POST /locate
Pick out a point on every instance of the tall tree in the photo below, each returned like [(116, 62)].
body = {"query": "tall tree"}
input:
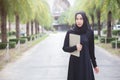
[(90, 10), (31, 27), (24, 11), (111, 8), (98, 5), (27, 29), (3, 20), (3, 25), (17, 26)]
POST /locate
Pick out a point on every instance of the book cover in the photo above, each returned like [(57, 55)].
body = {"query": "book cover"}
[(73, 40)]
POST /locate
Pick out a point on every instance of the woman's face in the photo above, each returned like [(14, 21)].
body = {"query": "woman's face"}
[(79, 20)]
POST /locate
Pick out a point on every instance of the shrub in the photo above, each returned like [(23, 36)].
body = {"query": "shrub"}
[(116, 32), (14, 40), (4, 45), (95, 36), (27, 37), (11, 33), (105, 31), (34, 37), (108, 40), (22, 40), (113, 43), (12, 44)]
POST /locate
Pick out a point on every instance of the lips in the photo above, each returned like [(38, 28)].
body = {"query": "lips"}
[(79, 24)]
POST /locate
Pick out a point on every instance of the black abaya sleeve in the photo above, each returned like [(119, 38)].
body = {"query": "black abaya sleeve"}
[(91, 49), (66, 46)]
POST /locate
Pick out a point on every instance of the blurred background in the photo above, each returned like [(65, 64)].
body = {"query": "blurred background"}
[(24, 23)]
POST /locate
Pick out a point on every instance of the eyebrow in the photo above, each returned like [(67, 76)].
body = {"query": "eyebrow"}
[(79, 18)]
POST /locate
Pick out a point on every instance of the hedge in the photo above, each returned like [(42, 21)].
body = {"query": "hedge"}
[(22, 40), (31, 37), (4, 45), (116, 32), (113, 43), (108, 40), (95, 36), (104, 31), (27, 37), (11, 33)]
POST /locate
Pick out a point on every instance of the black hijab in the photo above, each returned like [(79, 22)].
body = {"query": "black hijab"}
[(85, 26)]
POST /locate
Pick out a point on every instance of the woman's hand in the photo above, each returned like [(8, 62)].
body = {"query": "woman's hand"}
[(79, 47), (96, 69)]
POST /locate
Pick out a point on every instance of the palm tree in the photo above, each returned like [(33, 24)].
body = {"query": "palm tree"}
[(27, 29), (3, 15), (17, 26), (90, 10), (3, 26), (111, 8), (25, 11), (17, 11), (31, 27), (42, 15), (98, 13)]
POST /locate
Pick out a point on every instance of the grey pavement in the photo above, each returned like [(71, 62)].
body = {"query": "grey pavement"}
[(47, 61)]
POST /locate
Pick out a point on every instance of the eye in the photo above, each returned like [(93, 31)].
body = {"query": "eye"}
[(77, 18)]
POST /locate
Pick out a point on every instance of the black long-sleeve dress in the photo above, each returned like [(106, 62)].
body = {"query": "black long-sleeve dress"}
[(80, 68)]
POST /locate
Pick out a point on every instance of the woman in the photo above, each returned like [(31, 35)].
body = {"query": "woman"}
[(80, 68)]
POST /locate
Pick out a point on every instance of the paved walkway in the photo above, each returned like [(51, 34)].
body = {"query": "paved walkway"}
[(47, 61)]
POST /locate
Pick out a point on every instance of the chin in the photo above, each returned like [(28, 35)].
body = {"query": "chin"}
[(79, 26)]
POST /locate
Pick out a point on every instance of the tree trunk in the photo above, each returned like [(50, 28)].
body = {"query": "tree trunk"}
[(9, 26), (3, 26), (99, 26), (17, 26), (35, 27), (109, 24), (38, 29), (27, 29), (31, 27), (92, 18)]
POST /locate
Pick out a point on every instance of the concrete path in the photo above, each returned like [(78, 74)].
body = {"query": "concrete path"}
[(47, 61)]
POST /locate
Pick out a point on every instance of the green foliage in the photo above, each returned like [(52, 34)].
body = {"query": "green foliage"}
[(22, 40), (113, 43), (11, 33), (4, 45), (14, 40), (12, 44), (28, 10), (104, 31), (113, 6), (95, 36), (27, 37), (116, 32), (92, 7), (63, 19), (108, 40)]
